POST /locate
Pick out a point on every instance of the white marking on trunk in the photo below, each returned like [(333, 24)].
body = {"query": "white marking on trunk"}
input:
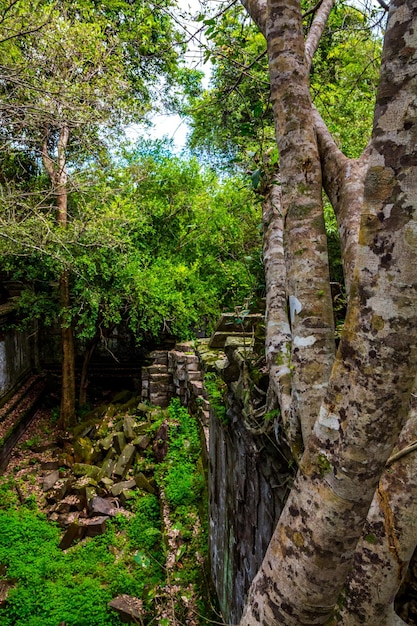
[(328, 420), (300, 342), (295, 307)]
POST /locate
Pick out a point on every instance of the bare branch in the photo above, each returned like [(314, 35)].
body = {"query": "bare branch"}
[(317, 28), (257, 9)]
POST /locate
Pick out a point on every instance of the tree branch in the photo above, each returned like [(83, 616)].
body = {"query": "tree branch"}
[(383, 4), (316, 29), (343, 181), (257, 10)]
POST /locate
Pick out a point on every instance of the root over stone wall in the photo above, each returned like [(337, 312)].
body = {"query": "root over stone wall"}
[(248, 474)]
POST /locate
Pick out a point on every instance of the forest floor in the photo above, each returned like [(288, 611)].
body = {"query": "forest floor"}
[(161, 540)]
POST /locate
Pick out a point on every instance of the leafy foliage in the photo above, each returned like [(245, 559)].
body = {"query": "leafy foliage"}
[(153, 241)]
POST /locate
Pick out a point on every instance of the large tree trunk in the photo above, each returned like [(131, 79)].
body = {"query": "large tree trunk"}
[(388, 540), (366, 404)]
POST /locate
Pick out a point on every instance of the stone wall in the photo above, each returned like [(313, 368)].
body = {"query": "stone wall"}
[(18, 353), (248, 473)]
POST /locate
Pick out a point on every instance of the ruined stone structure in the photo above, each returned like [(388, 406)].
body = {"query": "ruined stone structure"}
[(248, 474), (18, 353), (223, 383)]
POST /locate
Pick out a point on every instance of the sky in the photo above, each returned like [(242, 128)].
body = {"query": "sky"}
[(172, 126)]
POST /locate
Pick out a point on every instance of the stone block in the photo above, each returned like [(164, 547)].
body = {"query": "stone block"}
[(129, 424), (219, 339), (228, 324), (59, 489), (143, 483), (80, 485), (117, 488), (124, 461), (119, 442), (155, 370), (84, 469), (95, 526), (195, 375), (90, 493), (106, 482), (160, 379), (74, 502), (74, 532), (106, 469), (100, 506), (50, 480), (159, 399), (142, 442), (126, 495), (107, 442), (128, 608), (159, 357)]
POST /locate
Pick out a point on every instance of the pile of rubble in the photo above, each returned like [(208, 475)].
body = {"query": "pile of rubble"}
[(94, 474)]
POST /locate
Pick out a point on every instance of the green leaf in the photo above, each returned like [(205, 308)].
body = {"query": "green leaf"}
[(256, 178)]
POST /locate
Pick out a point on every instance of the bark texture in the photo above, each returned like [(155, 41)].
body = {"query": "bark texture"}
[(278, 330), (367, 399), (308, 285), (388, 540)]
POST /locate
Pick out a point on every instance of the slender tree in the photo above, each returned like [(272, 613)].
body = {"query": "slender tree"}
[(67, 76)]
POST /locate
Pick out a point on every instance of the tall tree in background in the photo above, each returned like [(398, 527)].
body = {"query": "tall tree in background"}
[(73, 74)]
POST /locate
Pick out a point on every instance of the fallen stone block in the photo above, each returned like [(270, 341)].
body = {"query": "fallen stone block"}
[(129, 427), (119, 442), (74, 532), (90, 493), (80, 485), (129, 608), (106, 469), (117, 489), (126, 495), (50, 480), (95, 526), (100, 506), (143, 483), (72, 503), (107, 482), (142, 442), (124, 461), (107, 442), (84, 469), (59, 489)]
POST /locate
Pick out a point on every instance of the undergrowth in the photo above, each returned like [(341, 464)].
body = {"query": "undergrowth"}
[(50, 586)]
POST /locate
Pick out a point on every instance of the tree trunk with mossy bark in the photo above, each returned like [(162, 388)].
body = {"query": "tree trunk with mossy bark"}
[(351, 411)]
